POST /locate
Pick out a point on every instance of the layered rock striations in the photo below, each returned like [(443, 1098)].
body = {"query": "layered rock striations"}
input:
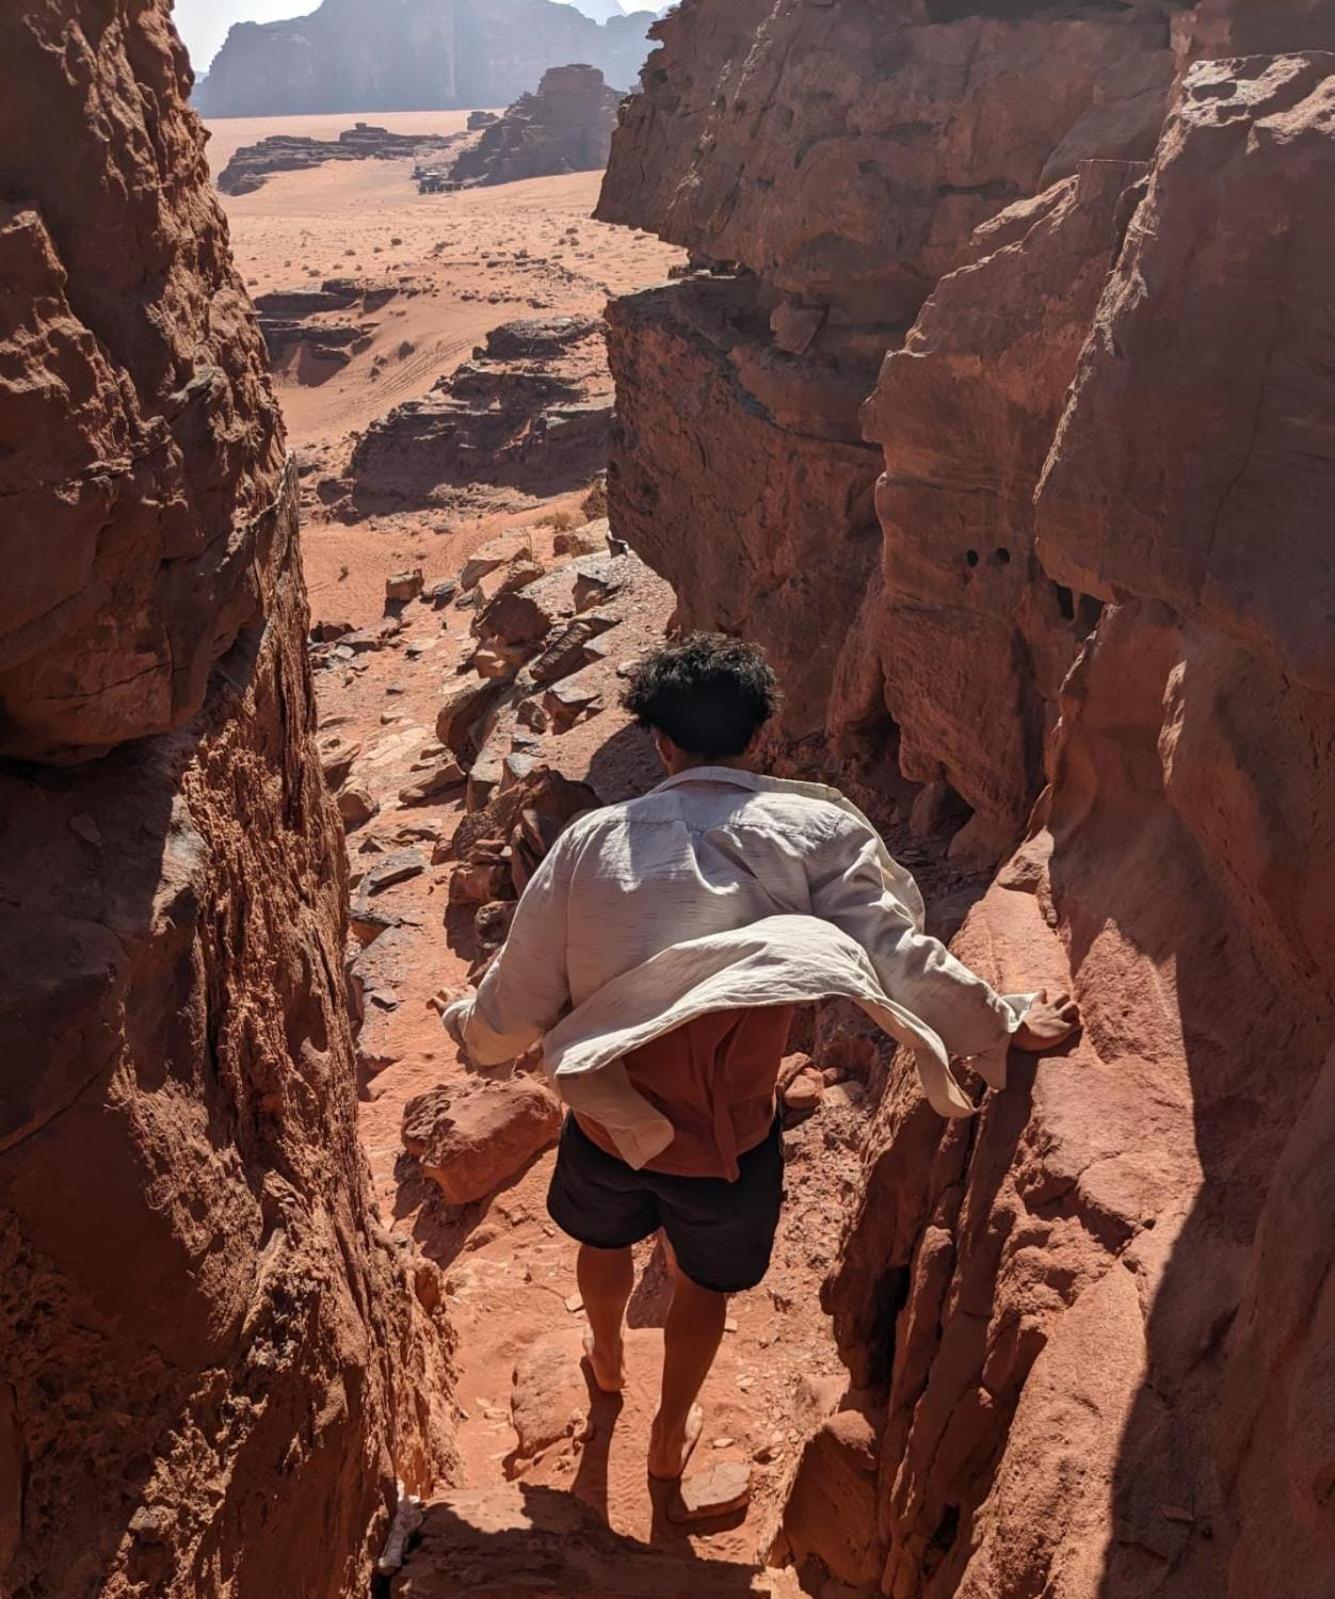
[(411, 55), (566, 126), (213, 1366), (1089, 1332)]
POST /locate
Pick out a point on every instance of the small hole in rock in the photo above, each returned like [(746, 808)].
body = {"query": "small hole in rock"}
[(1089, 612), (971, 556), (1002, 557), (1065, 602)]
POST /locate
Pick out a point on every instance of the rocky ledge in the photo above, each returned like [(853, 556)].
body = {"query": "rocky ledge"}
[(529, 413), (285, 152)]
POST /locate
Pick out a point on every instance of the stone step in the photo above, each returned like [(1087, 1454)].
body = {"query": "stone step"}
[(521, 1541)]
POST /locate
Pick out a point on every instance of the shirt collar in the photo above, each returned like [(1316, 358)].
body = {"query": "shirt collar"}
[(716, 774)]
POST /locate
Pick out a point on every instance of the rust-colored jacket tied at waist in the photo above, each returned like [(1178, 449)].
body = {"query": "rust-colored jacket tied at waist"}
[(719, 892), (714, 1080)]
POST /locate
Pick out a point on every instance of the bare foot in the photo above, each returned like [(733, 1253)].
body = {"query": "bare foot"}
[(669, 1453), (609, 1371)]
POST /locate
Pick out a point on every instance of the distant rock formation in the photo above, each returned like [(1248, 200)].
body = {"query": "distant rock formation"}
[(530, 412), (599, 10), (253, 163), (299, 320), (412, 55), (565, 127)]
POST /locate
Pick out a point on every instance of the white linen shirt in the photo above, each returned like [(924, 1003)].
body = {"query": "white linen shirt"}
[(720, 890)]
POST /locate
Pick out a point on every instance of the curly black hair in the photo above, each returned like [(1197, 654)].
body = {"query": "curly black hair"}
[(710, 694)]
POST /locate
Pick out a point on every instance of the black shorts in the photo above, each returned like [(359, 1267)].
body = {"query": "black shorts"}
[(722, 1233)]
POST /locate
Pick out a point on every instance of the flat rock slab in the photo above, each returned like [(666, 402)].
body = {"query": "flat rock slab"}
[(719, 1491), (396, 868), (550, 1398)]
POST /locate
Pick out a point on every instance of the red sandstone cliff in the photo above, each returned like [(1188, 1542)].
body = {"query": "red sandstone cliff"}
[(1090, 1330), (212, 1364)]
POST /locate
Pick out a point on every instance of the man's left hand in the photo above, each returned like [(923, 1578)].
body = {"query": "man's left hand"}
[(1047, 1023)]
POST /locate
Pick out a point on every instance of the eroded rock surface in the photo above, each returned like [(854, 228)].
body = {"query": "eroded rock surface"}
[(964, 638), (1098, 1366), (140, 445), (213, 1364)]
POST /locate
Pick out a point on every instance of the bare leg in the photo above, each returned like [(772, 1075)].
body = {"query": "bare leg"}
[(691, 1339), (606, 1277)]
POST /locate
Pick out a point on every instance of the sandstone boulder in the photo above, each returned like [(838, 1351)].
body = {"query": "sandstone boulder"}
[(404, 586), (463, 709), (497, 552), (471, 1140), (356, 805), (590, 539), (399, 867), (442, 776), (515, 617), (569, 702), (338, 755), (831, 1506), (482, 878), (802, 1095)]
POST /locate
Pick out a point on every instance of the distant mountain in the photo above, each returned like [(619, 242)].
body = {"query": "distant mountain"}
[(598, 10), (414, 55)]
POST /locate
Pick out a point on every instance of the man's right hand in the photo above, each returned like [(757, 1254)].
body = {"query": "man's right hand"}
[(1047, 1023)]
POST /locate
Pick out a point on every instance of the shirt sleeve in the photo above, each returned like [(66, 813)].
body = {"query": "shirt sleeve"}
[(526, 989), (856, 885)]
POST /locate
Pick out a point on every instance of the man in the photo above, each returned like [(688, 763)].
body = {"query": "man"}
[(658, 952)]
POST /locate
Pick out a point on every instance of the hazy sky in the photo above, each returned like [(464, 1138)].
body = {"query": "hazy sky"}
[(203, 24)]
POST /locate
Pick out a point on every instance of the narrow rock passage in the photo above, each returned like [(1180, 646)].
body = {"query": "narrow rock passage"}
[(542, 1452)]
